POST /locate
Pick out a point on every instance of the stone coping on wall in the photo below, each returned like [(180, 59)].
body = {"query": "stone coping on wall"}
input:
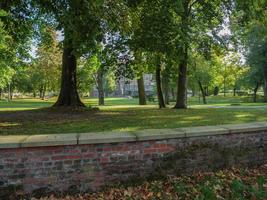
[(20, 141)]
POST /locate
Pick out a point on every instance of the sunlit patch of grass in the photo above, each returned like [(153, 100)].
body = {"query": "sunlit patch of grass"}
[(9, 124), (121, 114), (193, 118), (243, 115)]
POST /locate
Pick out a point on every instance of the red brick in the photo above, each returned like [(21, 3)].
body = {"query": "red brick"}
[(149, 151), (104, 160), (160, 145), (89, 155), (66, 157)]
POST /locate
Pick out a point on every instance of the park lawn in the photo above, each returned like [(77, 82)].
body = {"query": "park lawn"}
[(28, 116), (29, 103)]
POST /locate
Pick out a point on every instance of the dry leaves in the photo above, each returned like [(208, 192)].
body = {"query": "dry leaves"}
[(231, 184)]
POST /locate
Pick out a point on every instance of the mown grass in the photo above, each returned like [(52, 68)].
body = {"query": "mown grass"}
[(29, 116), (30, 103)]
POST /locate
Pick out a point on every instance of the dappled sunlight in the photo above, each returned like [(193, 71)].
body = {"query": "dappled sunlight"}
[(127, 107), (244, 115), (193, 118), (35, 117), (24, 104), (128, 129), (8, 124), (108, 113)]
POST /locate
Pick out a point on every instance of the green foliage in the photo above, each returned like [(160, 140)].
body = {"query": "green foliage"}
[(6, 54), (249, 27), (160, 25), (128, 38), (47, 64), (257, 47)]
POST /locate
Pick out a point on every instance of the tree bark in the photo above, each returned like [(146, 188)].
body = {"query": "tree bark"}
[(0, 93), (11, 93), (181, 85), (100, 87), (203, 92), (68, 92), (216, 91), (255, 92), (234, 91), (165, 84), (181, 99), (141, 90), (158, 82)]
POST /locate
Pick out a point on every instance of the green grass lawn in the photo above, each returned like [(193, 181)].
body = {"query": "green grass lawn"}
[(29, 116), (27, 104)]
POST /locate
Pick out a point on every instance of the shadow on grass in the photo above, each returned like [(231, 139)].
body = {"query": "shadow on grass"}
[(48, 120)]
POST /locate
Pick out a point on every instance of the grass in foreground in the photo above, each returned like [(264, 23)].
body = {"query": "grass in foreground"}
[(234, 184), (31, 116)]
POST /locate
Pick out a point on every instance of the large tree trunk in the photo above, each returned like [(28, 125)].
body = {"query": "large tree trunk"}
[(255, 92), (141, 90), (159, 90), (181, 99), (181, 85), (100, 87), (68, 92), (203, 92), (165, 84)]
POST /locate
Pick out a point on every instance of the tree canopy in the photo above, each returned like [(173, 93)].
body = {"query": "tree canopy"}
[(188, 46)]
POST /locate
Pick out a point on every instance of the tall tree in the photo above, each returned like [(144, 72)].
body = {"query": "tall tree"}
[(155, 32), (6, 54), (250, 27), (141, 90), (198, 18), (47, 65), (140, 66), (80, 21), (16, 30), (202, 72)]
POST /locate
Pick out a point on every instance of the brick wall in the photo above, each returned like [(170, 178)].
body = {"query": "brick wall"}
[(88, 167)]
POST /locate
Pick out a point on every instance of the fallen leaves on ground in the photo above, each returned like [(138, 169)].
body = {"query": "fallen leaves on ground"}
[(233, 184)]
